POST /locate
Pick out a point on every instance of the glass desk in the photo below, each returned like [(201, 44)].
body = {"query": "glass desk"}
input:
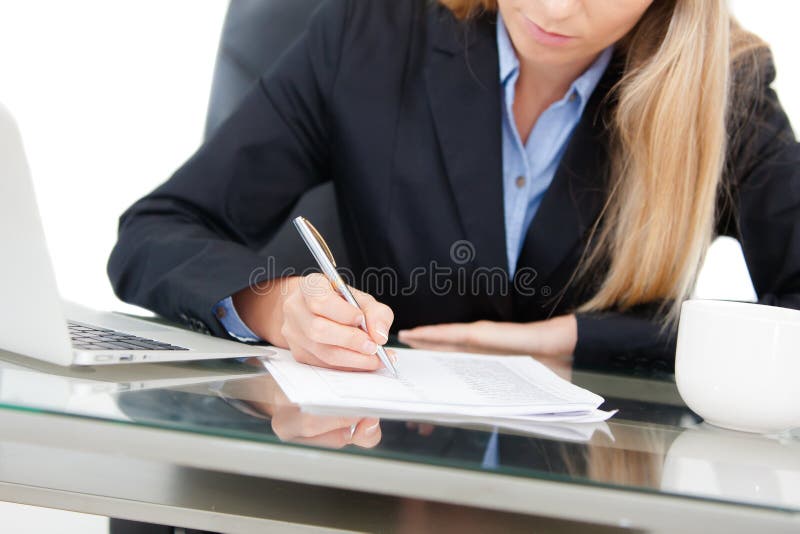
[(215, 445)]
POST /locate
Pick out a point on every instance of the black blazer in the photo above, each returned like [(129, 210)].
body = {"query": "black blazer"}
[(399, 105)]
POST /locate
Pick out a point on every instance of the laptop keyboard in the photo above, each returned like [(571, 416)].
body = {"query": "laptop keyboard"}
[(86, 337)]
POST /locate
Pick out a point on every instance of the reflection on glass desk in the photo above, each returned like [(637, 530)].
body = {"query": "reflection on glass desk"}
[(654, 445)]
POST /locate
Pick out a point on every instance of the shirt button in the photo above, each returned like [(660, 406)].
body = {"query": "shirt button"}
[(573, 97), (520, 182), (221, 312)]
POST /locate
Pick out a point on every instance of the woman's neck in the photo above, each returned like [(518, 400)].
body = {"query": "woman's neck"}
[(538, 87)]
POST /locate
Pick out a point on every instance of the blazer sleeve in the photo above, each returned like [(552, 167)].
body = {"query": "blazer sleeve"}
[(760, 206), (194, 240), (631, 341), (765, 190)]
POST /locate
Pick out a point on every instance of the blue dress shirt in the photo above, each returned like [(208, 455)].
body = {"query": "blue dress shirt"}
[(528, 169), (226, 313)]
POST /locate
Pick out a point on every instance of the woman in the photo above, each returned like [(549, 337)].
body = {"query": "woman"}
[(523, 176)]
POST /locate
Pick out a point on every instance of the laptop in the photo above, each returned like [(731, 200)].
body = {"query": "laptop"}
[(52, 385), (35, 321)]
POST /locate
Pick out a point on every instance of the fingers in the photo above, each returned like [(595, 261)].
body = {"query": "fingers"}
[(495, 337), (436, 347), (392, 355), (367, 433), (306, 350), (345, 360), (323, 331), (335, 439), (322, 300), (314, 335), (291, 423), (440, 338), (334, 357), (295, 426), (444, 334), (321, 328), (379, 316)]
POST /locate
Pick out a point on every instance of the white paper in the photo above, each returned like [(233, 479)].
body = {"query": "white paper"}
[(443, 384)]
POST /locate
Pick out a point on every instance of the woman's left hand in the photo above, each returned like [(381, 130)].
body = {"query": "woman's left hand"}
[(552, 341)]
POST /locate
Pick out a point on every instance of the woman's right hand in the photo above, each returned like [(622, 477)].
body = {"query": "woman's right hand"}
[(291, 423), (306, 315)]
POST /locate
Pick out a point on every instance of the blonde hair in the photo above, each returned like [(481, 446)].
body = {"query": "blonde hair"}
[(669, 138)]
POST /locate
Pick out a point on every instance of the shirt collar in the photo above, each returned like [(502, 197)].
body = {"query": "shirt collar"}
[(509, 62), (584, 86)]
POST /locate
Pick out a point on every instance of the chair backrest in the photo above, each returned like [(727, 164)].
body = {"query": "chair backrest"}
[(255, 34)]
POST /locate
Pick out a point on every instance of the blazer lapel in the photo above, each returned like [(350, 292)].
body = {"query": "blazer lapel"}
[(464, 93), (578, 191)]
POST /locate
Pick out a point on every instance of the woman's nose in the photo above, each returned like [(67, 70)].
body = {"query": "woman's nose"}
[(557, 10)]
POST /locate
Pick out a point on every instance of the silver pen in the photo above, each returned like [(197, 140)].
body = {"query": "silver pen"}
[(319, 249)]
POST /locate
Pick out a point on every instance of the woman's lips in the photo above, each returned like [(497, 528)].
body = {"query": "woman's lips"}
[(544, 37)]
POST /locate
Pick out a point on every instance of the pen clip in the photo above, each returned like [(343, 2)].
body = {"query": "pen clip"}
[(320, 240)]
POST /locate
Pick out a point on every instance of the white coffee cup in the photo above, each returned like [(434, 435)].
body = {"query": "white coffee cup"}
[(738, 365)]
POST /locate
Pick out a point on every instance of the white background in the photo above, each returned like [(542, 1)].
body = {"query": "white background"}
[(111, 98)]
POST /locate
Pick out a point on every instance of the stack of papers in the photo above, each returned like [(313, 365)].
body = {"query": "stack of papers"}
[(515, 392)]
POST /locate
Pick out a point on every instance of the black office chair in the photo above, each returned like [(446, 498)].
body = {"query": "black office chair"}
[(254, 36)]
